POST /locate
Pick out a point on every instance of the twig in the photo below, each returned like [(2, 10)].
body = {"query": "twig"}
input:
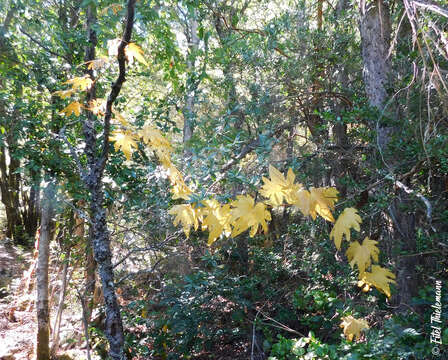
[(253, 336), (44, 47), (147, 248)]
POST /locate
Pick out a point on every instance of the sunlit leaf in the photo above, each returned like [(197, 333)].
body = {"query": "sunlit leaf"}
[(73, 108), (187, 215), (120, 118), (97, 106), (64, 94), (278, 187), (378, 277), (125, 141), (302, 201), (245, 214), (353, 327), (97, 64), (80, 83), (178, 187), (361, 255), (322, 202), (154, 138), (349, 219), (216, 219), (133, 51)]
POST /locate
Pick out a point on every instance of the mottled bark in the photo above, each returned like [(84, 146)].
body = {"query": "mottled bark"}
[(93, 180), (57, 321), (375, 32), (43, 316)]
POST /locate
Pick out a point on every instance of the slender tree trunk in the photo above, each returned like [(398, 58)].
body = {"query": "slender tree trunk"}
[(191, 86), (93, 177), (341, 166), (375, 31), (57, 321), (43, 316)]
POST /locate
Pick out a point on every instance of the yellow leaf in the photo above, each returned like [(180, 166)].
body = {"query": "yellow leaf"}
[(216, 219), (114, 7), (179, 189), (245, 214), (186, 215), (144, 313), (348, 219), (64, 94), (302, 201), (73, 108), (353, 327), (120, 118), (154, 138), (97, 63), (379, 277), (80, 83), (362, 254), (97, 106), (321, 201), (132, 50), (124, 141), (278, 187)]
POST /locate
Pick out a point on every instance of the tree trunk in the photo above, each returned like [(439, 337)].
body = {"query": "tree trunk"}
[(191, 85), (375, 31), (43, 316), (93, 180), (57, 321)]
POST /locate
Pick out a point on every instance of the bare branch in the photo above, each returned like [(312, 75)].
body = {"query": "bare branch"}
[(432, 7)]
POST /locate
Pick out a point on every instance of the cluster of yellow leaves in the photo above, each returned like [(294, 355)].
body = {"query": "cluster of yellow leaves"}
[(84, 83), (361, 255), (244, 214), (316, 201)]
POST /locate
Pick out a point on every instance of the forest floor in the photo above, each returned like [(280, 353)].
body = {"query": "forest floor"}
[(17, 324), (17, 310)]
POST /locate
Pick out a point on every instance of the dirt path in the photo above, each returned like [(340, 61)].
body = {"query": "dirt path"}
[(17, 326)]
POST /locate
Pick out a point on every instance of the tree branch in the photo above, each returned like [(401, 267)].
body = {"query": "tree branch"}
[(43, 46), (116, 87), (430, 6)]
